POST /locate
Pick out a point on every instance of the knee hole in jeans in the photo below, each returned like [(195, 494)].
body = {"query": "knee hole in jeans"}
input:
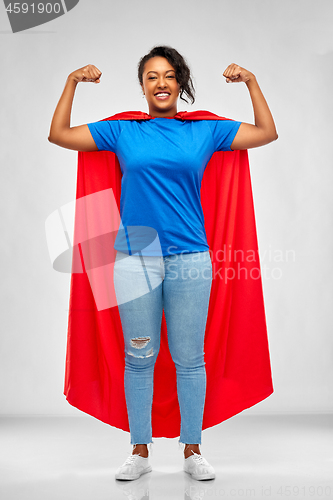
[(140, 343)]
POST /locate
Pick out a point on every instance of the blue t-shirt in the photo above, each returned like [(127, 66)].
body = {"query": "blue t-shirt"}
[(162, 161)]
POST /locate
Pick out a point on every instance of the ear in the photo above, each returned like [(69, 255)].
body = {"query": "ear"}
[(143, 90)]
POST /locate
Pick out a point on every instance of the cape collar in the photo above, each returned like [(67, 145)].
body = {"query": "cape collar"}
[(181, 115)]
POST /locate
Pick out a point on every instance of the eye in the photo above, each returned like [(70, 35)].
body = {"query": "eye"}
[(151, 77), (170, 76)]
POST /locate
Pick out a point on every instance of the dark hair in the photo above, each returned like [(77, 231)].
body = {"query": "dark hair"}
[(183, 74)]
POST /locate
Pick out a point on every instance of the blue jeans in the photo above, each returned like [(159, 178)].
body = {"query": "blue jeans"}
[(145, 285)]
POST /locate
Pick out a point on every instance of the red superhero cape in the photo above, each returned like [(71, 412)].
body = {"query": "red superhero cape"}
[(236, 345)]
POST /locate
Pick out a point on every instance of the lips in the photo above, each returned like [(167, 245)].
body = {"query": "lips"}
[(162, 95)]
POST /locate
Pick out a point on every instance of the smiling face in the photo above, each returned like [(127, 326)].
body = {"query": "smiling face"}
[(160, 87)]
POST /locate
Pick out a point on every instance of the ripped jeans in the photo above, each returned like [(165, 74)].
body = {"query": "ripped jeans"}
[(144, 285)]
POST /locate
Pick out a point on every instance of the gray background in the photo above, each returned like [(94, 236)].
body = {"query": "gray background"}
[(288, 46)]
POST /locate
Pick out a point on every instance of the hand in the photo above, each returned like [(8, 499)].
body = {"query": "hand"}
[(235, 73), (88, 73)]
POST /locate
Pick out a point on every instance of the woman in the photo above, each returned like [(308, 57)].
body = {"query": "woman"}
[(160, 191)]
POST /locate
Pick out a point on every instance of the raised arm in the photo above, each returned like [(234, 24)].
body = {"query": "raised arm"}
[(263, 131), (61, 133)]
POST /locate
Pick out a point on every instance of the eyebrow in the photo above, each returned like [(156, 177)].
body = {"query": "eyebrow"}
[(166, 71)]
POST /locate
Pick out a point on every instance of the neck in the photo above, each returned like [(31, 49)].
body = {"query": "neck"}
[(161, 114)]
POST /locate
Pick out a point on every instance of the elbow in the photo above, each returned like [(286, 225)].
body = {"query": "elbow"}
[(272, 137), (275, 135), (53, 139), (58, 137)]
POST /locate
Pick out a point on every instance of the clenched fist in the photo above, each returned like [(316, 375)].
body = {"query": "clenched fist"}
[(235, 73), (88, 73)]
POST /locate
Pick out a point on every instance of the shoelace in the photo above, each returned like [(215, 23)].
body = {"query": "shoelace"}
[(199, 459), (129, 460)]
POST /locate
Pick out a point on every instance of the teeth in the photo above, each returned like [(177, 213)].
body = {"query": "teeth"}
[(162, 95)]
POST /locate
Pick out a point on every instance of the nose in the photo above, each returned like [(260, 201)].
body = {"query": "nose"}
[(161, 82)]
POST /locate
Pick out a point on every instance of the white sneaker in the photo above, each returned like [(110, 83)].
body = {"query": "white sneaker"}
[(133, 467), (198, 467)]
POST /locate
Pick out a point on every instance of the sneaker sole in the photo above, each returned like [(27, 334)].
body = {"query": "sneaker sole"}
[(201, 478), (129, 477)]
